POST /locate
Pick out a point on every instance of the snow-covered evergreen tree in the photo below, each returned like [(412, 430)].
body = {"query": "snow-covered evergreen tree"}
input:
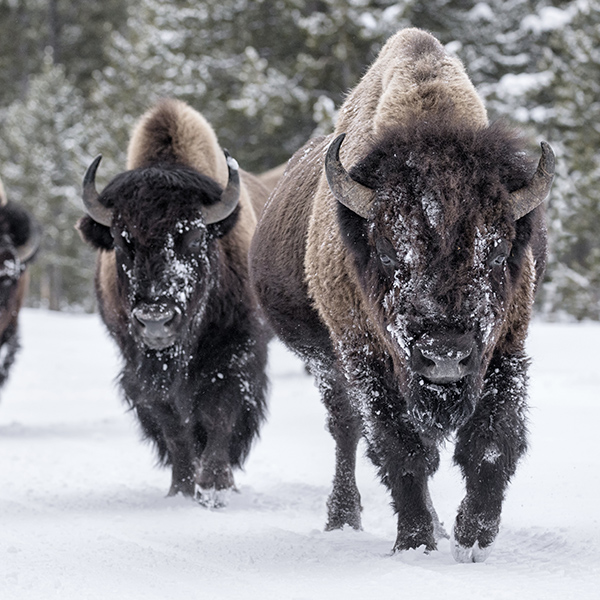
[(265, 73), (41, 164), (268, 74), (570, 114)]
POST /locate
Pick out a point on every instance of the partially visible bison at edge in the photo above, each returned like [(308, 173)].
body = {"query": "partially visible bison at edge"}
[(399, 257), (173, 233), (19, 242)]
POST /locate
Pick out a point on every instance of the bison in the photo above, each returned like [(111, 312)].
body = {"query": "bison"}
[(172, 283), (399, 258), (19, 242)]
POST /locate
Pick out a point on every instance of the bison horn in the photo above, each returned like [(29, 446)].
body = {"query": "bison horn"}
[(353, 195), (3, 199), (100, 213), (27, 250), (229, 198), (538, 188)]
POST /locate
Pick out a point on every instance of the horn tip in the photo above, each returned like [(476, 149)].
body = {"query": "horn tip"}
[(548, 157), (337, 144)]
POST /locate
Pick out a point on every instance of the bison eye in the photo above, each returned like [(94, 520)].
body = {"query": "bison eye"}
[(194, 241), (386, 252), (499, 255), (122, 247), (386, 261)]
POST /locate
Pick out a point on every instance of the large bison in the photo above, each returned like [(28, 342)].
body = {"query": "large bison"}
[(173, 233), (405, 279), (19, 241)]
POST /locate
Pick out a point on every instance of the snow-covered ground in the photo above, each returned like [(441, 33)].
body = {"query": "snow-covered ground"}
[(83, 512)]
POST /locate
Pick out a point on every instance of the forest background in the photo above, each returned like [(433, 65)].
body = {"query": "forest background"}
[(75, 75)]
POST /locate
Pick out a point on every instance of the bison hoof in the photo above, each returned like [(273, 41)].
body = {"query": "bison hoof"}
[(185, 488), (417, 530), (473, 554), (414, 542), (212, 498), (342, 511), (473, 534)]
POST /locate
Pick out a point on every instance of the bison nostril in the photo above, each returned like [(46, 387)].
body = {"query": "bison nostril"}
[(443, 358), (155, 320), (466, 361)]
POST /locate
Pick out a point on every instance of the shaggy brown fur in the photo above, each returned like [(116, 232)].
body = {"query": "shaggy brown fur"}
[(198, 384), (441, 269)]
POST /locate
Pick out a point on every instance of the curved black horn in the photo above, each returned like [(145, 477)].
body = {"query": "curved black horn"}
[(229, 198), (538, 188), (100, 213), (27, 250), (353, 195)]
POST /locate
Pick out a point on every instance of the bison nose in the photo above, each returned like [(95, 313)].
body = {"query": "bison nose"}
[(156, 324), (444, 358)]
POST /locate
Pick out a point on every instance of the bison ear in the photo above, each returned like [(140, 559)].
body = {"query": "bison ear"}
[(537, 189), (25, 231), (96, 235)]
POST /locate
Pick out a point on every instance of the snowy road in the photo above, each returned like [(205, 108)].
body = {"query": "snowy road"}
[(83, 511)]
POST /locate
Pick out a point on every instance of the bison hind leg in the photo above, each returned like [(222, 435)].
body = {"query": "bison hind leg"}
[(439, 532), (343, 504)]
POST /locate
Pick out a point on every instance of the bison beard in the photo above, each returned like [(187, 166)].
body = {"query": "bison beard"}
[(406, 283)]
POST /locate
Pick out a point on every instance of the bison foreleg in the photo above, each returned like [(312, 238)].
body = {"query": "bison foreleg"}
[(162, 425), (487, 450), (405, 463), (416, 523), (213, 474)]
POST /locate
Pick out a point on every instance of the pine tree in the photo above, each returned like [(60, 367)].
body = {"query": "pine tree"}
[(266, 74), (571, 115), (41, 163)]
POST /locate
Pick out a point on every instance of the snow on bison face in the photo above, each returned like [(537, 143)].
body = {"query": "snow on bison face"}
[(163, 224), (165, 278), (440, 253)]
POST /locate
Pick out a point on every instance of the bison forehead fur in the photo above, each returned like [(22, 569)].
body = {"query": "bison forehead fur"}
[(154, 200)]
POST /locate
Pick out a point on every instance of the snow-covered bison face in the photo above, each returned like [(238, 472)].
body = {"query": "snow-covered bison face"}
[(166, 255), (439, 254)]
